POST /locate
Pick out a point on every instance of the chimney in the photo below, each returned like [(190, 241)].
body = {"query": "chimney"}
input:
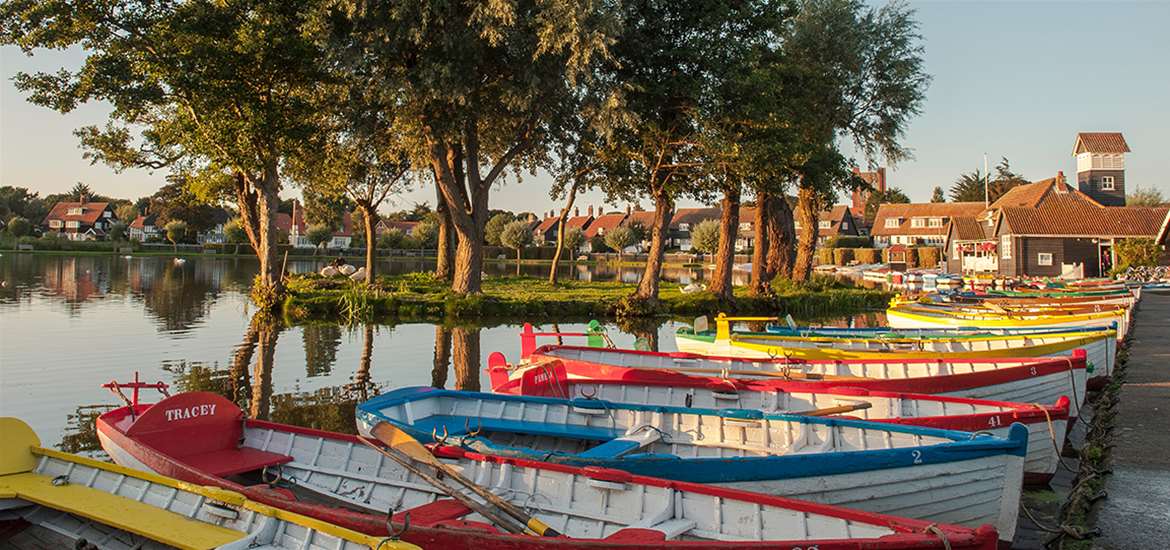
[(590, 211), (881, 179), (1060, 186), (629, 208), (576, 211)]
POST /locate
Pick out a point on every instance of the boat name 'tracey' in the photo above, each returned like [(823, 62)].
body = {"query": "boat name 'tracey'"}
[(190, 412)]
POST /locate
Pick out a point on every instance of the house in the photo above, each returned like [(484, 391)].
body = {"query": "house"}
[(877, 180), (678, 232), (145, 228), (1047, 229), (215, 233), (297, 230), (80, 221), (406, 227), (1101, 166), (599, 226), (834, 222), (918, 223), (546, 230)]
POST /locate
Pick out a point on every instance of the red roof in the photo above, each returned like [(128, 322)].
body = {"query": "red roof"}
[(693, 216), (1100, 142), (905, 212), (546, 224), (604, 223), (1077, 219), (285, 223), (1032, 195), (645, 218), (90, 212), (142, 221), (578, 222), (403, 226)]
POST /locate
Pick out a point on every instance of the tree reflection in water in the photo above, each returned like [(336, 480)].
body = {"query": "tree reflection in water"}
[(321, 343), (465, 356), (442, 360)]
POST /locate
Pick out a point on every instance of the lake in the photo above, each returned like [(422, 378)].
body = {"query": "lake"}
[(71, 323)]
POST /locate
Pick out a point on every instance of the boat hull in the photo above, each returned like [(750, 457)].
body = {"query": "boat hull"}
[(899, 318)]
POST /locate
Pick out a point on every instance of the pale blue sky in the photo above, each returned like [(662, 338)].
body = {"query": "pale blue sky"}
[(1010, 79)]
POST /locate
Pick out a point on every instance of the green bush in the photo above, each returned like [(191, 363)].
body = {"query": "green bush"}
[(850, 241), (842, 256), (1136, 253), (866, 255)]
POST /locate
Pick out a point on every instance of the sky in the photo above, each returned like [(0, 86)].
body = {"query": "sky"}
[(1010, 79)]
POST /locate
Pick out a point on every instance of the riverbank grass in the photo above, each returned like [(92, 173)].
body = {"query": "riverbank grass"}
[(419, 296)]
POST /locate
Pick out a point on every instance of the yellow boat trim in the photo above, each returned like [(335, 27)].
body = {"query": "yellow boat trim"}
[(1080, 336), (1040, 350), (18, 455), (946, 320), (723, 324), (119, 512)]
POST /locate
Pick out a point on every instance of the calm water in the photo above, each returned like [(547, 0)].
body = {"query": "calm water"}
[(69, 324)]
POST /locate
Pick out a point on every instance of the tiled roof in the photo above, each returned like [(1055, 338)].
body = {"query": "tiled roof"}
[(401, 225), (905, 212), (578, 222), (1100, 142), (142, 221), (604, 223), (90, 212), (1034, 194), (643, 217), (693, 216), (1164, 233), (298, 219), (968, 228), (1073, 218), (546, 224)]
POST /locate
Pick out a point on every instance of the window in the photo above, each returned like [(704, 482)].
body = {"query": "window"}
[(918, 222), (55, 224), (73, 224), (935, 222), (1005, 247), (1107, 183), (684, 227), (892, 222), (825, 224), (107, 214), (75, 211), (844, 224), (1044, 258), (745, 226)]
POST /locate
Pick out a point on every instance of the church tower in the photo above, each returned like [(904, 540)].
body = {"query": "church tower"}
[(1101, 166)]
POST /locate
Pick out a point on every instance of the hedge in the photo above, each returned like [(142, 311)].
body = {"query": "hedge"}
[(928, 256), (842, 256), (850, 241), (824, 255), (866, 255)]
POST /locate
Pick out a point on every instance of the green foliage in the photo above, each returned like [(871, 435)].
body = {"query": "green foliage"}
[(938, 195), (842, 256), (126, 212), (426, 233), (233, 232), (495, 226), (515, 235), (867, 255), (1136, 253), (929, 256), (81, 192), (176, 230), (319, 234), (391, 238), (175, 201), (969, 187), (618, 238), (849, 241), (118, 232), (893, 195), (19, 226), (574, 238), (824, 255), (705, 236), (18, 201), (1143, 196)]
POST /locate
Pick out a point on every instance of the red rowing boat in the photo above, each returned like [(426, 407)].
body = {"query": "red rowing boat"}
[(203, 438)]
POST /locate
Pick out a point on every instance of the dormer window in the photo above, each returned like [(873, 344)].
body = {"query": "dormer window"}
[(892, 223), (825, 224), (918, 222), (935, 222), (1107, 183), (77, 211)]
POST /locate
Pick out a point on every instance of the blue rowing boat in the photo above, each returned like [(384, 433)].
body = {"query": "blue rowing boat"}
[(937, 475)]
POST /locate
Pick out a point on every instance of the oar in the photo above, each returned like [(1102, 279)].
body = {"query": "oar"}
[(506, 522), (836, 410), (403, 442)]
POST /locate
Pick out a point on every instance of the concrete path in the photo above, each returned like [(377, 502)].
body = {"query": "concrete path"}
[(1137, 512)]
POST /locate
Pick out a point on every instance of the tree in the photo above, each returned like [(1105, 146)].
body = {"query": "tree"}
[(176, 231), (1004, 180), (495, 226), (118, 231), (516, 236), (619, 238), (318, 235), (233, 233), (18, 201), (81, 193), (127, 212), (19, 226), (221, 92), (573, 240), (391, 239), (705, 236), (892, 195), (176, 201), (938, 195), (426, 233), (482, 88), (1142, 196)]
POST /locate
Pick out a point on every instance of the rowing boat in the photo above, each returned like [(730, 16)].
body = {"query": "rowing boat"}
[(65, 500), (1030, 380), (1046, 423), (1099, 345), (924, 473), (594, 507), (901, 317)]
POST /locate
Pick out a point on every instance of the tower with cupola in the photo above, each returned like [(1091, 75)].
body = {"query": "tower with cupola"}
[(1101, 166)]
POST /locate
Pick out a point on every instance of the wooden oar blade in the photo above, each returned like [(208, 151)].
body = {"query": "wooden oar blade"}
[(400, 441)]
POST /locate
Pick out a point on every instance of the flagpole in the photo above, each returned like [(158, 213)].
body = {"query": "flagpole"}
[(986, 182)]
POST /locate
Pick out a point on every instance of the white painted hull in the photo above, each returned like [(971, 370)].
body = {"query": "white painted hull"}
[(897, 320), (972, 492)]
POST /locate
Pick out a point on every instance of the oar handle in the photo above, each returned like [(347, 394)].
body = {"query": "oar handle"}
[(837, 410)]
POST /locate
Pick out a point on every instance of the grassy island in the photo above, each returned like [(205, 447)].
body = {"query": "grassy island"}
[(419, 296)]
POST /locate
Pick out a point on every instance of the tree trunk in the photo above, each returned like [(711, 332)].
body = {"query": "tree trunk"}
[(466, 197), (465, 356), (759, 282), (443, 268), (782, 239), (370, 216), (518, 250), (807, 211), (663, 210), (442, 359), (556, 261), (267, 205), (725, 254)]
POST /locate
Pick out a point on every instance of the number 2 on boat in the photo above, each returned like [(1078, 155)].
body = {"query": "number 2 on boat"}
[(917, 456)]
